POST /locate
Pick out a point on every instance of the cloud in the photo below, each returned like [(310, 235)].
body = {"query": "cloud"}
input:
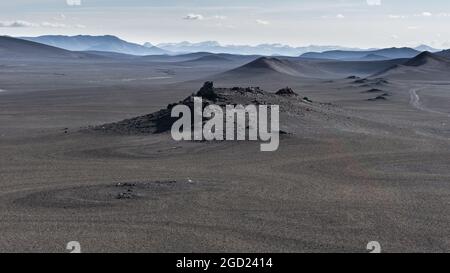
[(18, 24), (397, 16), (262, 22), (193, 17), (53, 25), (374, 2), (340, 16), (219, 17), (23, 24), (427, 14), (73, 2)]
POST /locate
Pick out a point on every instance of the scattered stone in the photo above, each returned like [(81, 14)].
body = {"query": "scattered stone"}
[(125, 195), (125, 185)]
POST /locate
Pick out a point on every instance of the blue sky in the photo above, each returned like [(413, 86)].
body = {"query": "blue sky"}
[(362, 23)]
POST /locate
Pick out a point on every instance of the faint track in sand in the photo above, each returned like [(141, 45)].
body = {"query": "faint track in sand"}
[(415, 102)]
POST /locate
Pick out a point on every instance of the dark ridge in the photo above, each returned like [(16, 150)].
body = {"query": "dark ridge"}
[(361, 81), (263, 62), (211, 58), (286, 92), (444, 54), (381, 97), (368, 82), (423, 58), (373, 90)]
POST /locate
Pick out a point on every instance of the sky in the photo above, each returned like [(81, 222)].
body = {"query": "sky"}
[(352, 23)]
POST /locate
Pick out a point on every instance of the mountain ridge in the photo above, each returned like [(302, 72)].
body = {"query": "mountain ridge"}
[(14, 48), (106, 43), (345, 55), (261, 49), (424, 66)]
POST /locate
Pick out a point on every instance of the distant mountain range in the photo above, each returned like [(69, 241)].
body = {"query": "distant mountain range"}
[(423, 48), (401, 63), (262, 49), (105, 43), (114, 44), (265, 49), (380, 54)]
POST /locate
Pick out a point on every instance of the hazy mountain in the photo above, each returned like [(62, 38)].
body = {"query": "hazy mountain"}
[(210, 58), (106, 43), (13, 48), (423, 48), (444, 53), (284, 68), (373, 57), (262, 49), (425, 66), (275, 69), (427, 59), (388, 53)]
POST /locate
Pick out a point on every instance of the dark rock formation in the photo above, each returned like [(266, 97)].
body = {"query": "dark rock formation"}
[(286, 92)]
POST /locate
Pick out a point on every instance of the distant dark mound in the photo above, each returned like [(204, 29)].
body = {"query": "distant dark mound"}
[(373, 57), (272, 65), (372, 82), (360, 81), (211, 58), (286, 92), (381, 97), (373, 90), (274, 69), (353, 78)]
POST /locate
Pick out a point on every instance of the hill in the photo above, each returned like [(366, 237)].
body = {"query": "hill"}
[(106, 43), (387, 53), (13, 48), (261, 49), (270, 66), (425, 66)]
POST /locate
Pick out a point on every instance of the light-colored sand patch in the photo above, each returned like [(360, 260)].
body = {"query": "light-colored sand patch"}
[(416, 103), (131, 79)]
